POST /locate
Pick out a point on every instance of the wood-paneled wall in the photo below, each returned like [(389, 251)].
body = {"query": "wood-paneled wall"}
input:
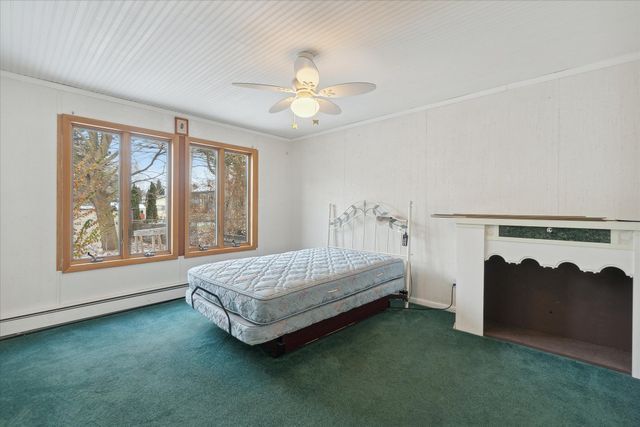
[(569, 146)]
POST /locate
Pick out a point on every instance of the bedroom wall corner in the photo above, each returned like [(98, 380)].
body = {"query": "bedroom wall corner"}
[(568, 146)]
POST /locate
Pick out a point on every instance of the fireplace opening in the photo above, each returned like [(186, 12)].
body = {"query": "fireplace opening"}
[(563, 310)]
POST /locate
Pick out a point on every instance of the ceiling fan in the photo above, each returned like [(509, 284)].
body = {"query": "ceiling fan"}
[(306, 99)]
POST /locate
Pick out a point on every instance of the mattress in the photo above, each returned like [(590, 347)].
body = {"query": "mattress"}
[(253, 334), (266, 289)]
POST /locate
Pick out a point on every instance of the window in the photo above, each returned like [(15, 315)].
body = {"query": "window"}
[(149, 196), (221, 194), (115, 201), (118, 195), (202, 212), (95, 163), (236, 198)]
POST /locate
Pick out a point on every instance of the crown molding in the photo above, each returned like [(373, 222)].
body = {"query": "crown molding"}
[(635, 56), (149, 107), (547, 77)]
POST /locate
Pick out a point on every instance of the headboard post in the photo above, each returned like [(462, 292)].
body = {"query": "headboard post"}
[(364, 223), (408, 274), (331, 218)]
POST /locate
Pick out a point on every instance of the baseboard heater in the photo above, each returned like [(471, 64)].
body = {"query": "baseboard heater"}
[(76, 307)]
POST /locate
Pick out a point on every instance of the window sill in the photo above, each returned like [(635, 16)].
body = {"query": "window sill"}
[(217, 251), (85, 266)]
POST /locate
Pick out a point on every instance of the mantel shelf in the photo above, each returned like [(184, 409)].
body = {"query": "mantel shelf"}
[(544, 221)]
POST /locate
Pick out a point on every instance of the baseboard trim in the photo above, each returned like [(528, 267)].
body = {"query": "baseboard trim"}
[(56, 317), (27, 323), (431, 304)]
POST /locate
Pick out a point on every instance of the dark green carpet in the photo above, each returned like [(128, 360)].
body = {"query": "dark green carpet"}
[(168, 365)]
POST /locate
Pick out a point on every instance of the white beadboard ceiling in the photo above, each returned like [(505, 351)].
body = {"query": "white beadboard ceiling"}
[(184, 55)]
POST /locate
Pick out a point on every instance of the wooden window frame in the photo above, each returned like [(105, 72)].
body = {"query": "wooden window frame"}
[(252, 197), (179, 193), (65, 262)]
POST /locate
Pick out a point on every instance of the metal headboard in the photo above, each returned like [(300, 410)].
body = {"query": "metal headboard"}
[(389, 230)]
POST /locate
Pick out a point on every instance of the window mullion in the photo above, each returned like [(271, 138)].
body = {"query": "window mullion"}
[(180, 194), (125, 197), (186, 197), (220, 201), (252, 180)]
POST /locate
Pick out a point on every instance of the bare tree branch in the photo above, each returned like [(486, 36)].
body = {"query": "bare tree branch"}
[(155, 157)]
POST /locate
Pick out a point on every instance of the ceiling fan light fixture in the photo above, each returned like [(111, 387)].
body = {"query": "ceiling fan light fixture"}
[(306, 98), (305, 107)]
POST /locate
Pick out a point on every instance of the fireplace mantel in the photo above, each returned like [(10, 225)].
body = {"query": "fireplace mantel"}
[(590, 243)]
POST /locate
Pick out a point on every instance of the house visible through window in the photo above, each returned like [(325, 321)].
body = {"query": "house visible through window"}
[(118, 196)]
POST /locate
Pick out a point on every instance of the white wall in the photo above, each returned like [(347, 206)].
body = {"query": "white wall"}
[(567, 146), (564, 146), (29, 281)]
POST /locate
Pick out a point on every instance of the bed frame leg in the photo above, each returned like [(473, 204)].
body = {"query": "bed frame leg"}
[(276, 347), (280, 348)]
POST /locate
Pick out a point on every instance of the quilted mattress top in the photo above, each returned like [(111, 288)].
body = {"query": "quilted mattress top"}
[(268, 288)]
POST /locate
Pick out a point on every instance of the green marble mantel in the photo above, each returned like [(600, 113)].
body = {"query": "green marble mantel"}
[(590, 235)]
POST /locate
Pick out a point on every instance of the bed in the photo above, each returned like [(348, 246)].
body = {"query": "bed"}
[(283, 301)]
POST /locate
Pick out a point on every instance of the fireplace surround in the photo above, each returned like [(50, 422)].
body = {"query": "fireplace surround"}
[(559, 248)]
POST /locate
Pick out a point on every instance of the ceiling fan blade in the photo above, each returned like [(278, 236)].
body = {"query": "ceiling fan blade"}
[(269, 88), (328, 107), (283, 104), (346, 89), (306, 71)]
